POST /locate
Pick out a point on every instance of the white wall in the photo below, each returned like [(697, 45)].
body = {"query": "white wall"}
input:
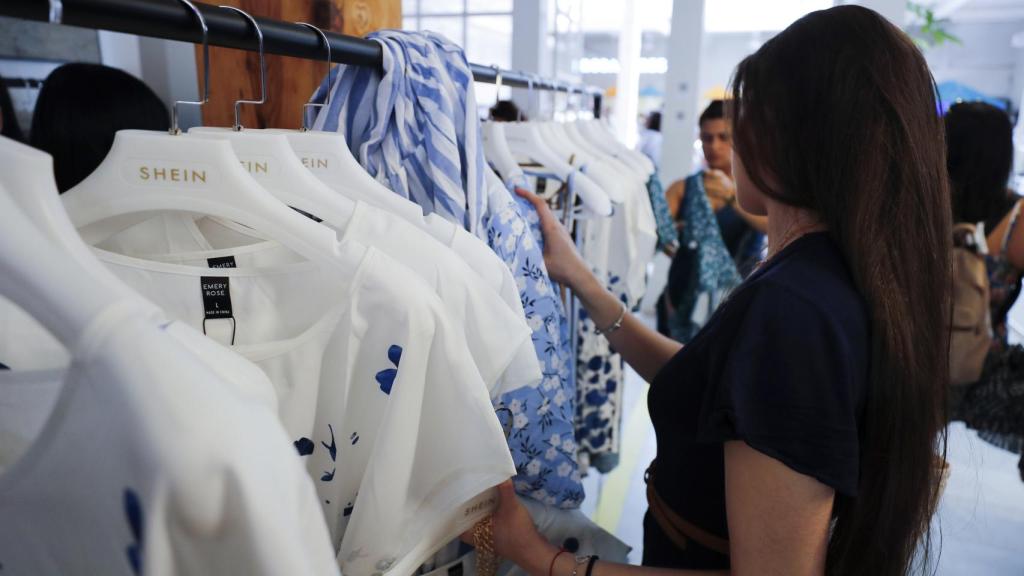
[(986, 61)]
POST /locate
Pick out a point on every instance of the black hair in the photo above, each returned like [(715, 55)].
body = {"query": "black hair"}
[(653, 121), (81, 107), (506, 111), (714, 111), (979, 157), (10, 127)]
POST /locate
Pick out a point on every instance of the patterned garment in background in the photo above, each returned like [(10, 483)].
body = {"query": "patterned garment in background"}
[(599, 380), (667, 237), (994, 406), (703, 272), (542, 439), (415, 128)]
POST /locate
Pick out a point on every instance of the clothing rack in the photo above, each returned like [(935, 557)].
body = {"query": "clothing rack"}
[(171, 20)]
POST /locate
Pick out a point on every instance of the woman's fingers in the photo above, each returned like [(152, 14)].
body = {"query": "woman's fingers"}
[(543, 210)]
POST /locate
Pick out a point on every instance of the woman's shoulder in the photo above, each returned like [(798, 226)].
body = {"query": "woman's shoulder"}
[(810, 281)]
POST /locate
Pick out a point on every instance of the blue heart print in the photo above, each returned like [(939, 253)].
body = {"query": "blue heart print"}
[(386, 378), (304, 446), (133, 513)]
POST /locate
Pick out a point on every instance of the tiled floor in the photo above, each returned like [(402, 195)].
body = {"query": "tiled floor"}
[(979, 529)]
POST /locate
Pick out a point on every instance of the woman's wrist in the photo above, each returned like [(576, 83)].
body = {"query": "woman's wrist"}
[(542, 558), (601, 305)]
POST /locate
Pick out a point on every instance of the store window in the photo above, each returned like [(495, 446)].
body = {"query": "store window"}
[(482, 27)]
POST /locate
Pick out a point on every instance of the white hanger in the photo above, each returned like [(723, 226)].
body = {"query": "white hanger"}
[(600, 137), (327, 157), (597, 133), (611, 161), (27, 174), (51, 285), (151, 171), (551, 133), (525, 139), (497, 151), (272, 162)]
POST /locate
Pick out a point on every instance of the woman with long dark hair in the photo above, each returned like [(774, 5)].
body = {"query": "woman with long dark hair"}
[(798, 432), (979, 142)]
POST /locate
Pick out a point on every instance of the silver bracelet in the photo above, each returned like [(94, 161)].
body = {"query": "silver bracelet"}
[(615, 325)]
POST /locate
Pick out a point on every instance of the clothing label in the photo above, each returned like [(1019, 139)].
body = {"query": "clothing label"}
[(217, 306), (216, 297), (455, 570), (542, 186), (222, 262)]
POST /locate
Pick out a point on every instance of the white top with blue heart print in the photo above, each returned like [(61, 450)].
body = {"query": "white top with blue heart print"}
[(375, 386)]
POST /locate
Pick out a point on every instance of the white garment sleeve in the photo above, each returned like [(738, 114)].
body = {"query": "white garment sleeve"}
[(417, 441)]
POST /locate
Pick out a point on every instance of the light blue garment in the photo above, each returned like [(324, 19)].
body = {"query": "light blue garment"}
[(414, 128), (542, 442)]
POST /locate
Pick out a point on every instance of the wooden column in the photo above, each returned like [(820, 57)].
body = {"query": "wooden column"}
[(234, 74)]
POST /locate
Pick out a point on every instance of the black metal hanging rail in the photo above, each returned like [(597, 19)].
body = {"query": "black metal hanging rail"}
[(170, 20)]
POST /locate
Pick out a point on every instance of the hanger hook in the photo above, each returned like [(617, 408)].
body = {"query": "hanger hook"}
[(529, 96), (497, 84), (263, 68), (330, 70), (175, 129)]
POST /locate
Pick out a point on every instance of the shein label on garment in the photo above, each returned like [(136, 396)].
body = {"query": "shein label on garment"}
[(221, 262), (216, 297)]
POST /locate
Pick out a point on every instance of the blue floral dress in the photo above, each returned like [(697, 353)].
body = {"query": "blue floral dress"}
[(542, 438)]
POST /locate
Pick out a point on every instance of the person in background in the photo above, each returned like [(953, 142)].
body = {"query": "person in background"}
[(719, 242), (506, 111), (979, 141), (8, 120), (80, 108), (650, 138), (743, 233), (797, 433)]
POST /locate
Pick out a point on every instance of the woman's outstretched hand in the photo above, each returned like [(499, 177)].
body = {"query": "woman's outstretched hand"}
[(564, 263), (515, 536)]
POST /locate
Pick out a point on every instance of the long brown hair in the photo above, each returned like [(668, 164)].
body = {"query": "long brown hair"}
[(838, 115)]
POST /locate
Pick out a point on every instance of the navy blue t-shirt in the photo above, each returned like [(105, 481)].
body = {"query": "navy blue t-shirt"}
[(782, 365)]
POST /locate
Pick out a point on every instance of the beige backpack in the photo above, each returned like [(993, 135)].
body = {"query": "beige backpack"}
[(971, 328)]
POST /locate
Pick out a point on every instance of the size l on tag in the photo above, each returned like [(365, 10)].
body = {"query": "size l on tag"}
[(216, 297), (221, 262), (217, 313)]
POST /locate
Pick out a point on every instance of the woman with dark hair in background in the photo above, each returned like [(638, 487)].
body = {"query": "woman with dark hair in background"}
[(797, 433), (979, 140), (80, 108), (8, 120)]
